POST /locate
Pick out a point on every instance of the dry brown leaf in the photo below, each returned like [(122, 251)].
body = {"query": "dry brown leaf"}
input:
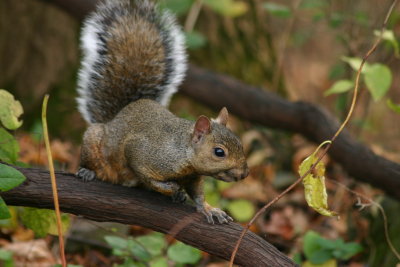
[(23, 234), (251, 136), (258, 157), (249, 188), (32, 152), (279, 224), (33, 253)]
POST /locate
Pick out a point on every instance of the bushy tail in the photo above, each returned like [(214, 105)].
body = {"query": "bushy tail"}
[(131, 50)]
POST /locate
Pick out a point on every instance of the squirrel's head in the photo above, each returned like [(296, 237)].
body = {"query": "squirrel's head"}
[(217, 151)]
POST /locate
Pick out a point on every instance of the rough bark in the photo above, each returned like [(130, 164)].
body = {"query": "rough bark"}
[(105, 202)]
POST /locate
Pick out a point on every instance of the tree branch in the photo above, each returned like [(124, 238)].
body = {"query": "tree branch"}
[(100, 201)]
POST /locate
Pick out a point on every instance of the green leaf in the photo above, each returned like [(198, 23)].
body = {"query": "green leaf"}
[(213, 198), (43, 221), (313, 250), (297, 258), (179, 7), (65, 223), (319, 250), (337, 71), (329, 263), (128, 262), (5, 255), (355, 63), (350, 249), (221, 185), (138, 250), (314, 185), (393, 106), (195, 40), (312, 4), (4, 212), (228, 8), (10, 177), (388, 35), (212, 195), (6, 258), (362, 18), (378, 79), (242, 210), (340, 86), (159, 262), (320, 256), (10, 110), (318, 16), (278, 10), (336, 20), (310, 243), (116, 242), (11, 223), (125, 247), (330, 244), (154, 243), (9, 147), (182, 253)]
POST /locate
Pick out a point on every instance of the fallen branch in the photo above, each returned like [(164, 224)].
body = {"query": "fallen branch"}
[(100, 201)]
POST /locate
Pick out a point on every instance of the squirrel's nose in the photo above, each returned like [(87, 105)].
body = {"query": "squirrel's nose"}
[(245, 172)]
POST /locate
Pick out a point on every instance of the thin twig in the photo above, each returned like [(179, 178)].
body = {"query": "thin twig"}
[(353, 102), (379, 206), (193, 15), (284, 45), (53, 181)]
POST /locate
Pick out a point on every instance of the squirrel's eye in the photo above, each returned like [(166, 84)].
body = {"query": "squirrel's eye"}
[(219, 152)]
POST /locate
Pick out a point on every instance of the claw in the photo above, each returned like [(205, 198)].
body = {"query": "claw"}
[(86, 175), (208, 215), (218, 213)]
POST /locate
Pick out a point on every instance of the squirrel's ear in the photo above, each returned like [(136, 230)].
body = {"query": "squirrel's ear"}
[(201, 128), (223, 117)]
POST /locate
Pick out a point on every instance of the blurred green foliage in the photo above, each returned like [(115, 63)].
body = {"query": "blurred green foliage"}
[(319, 250), (377, 78), (379, 253), (241, 210), (10, 110), (151, 250)]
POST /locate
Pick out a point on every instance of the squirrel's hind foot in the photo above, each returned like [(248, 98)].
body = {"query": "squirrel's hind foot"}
[(86, 175)]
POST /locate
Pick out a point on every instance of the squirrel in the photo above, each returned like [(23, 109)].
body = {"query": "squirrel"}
[(133, 61)]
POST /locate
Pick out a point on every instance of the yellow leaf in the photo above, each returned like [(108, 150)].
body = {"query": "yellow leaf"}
[(314, 184)]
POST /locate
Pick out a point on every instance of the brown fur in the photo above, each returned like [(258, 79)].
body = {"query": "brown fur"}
[(165, 153)]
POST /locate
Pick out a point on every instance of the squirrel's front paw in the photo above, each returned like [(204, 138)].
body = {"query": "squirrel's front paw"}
[(221, 215), (179, 196), (86, 175)]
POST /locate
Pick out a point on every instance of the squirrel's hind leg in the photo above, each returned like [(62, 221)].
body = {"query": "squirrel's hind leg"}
[(85, 174)]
